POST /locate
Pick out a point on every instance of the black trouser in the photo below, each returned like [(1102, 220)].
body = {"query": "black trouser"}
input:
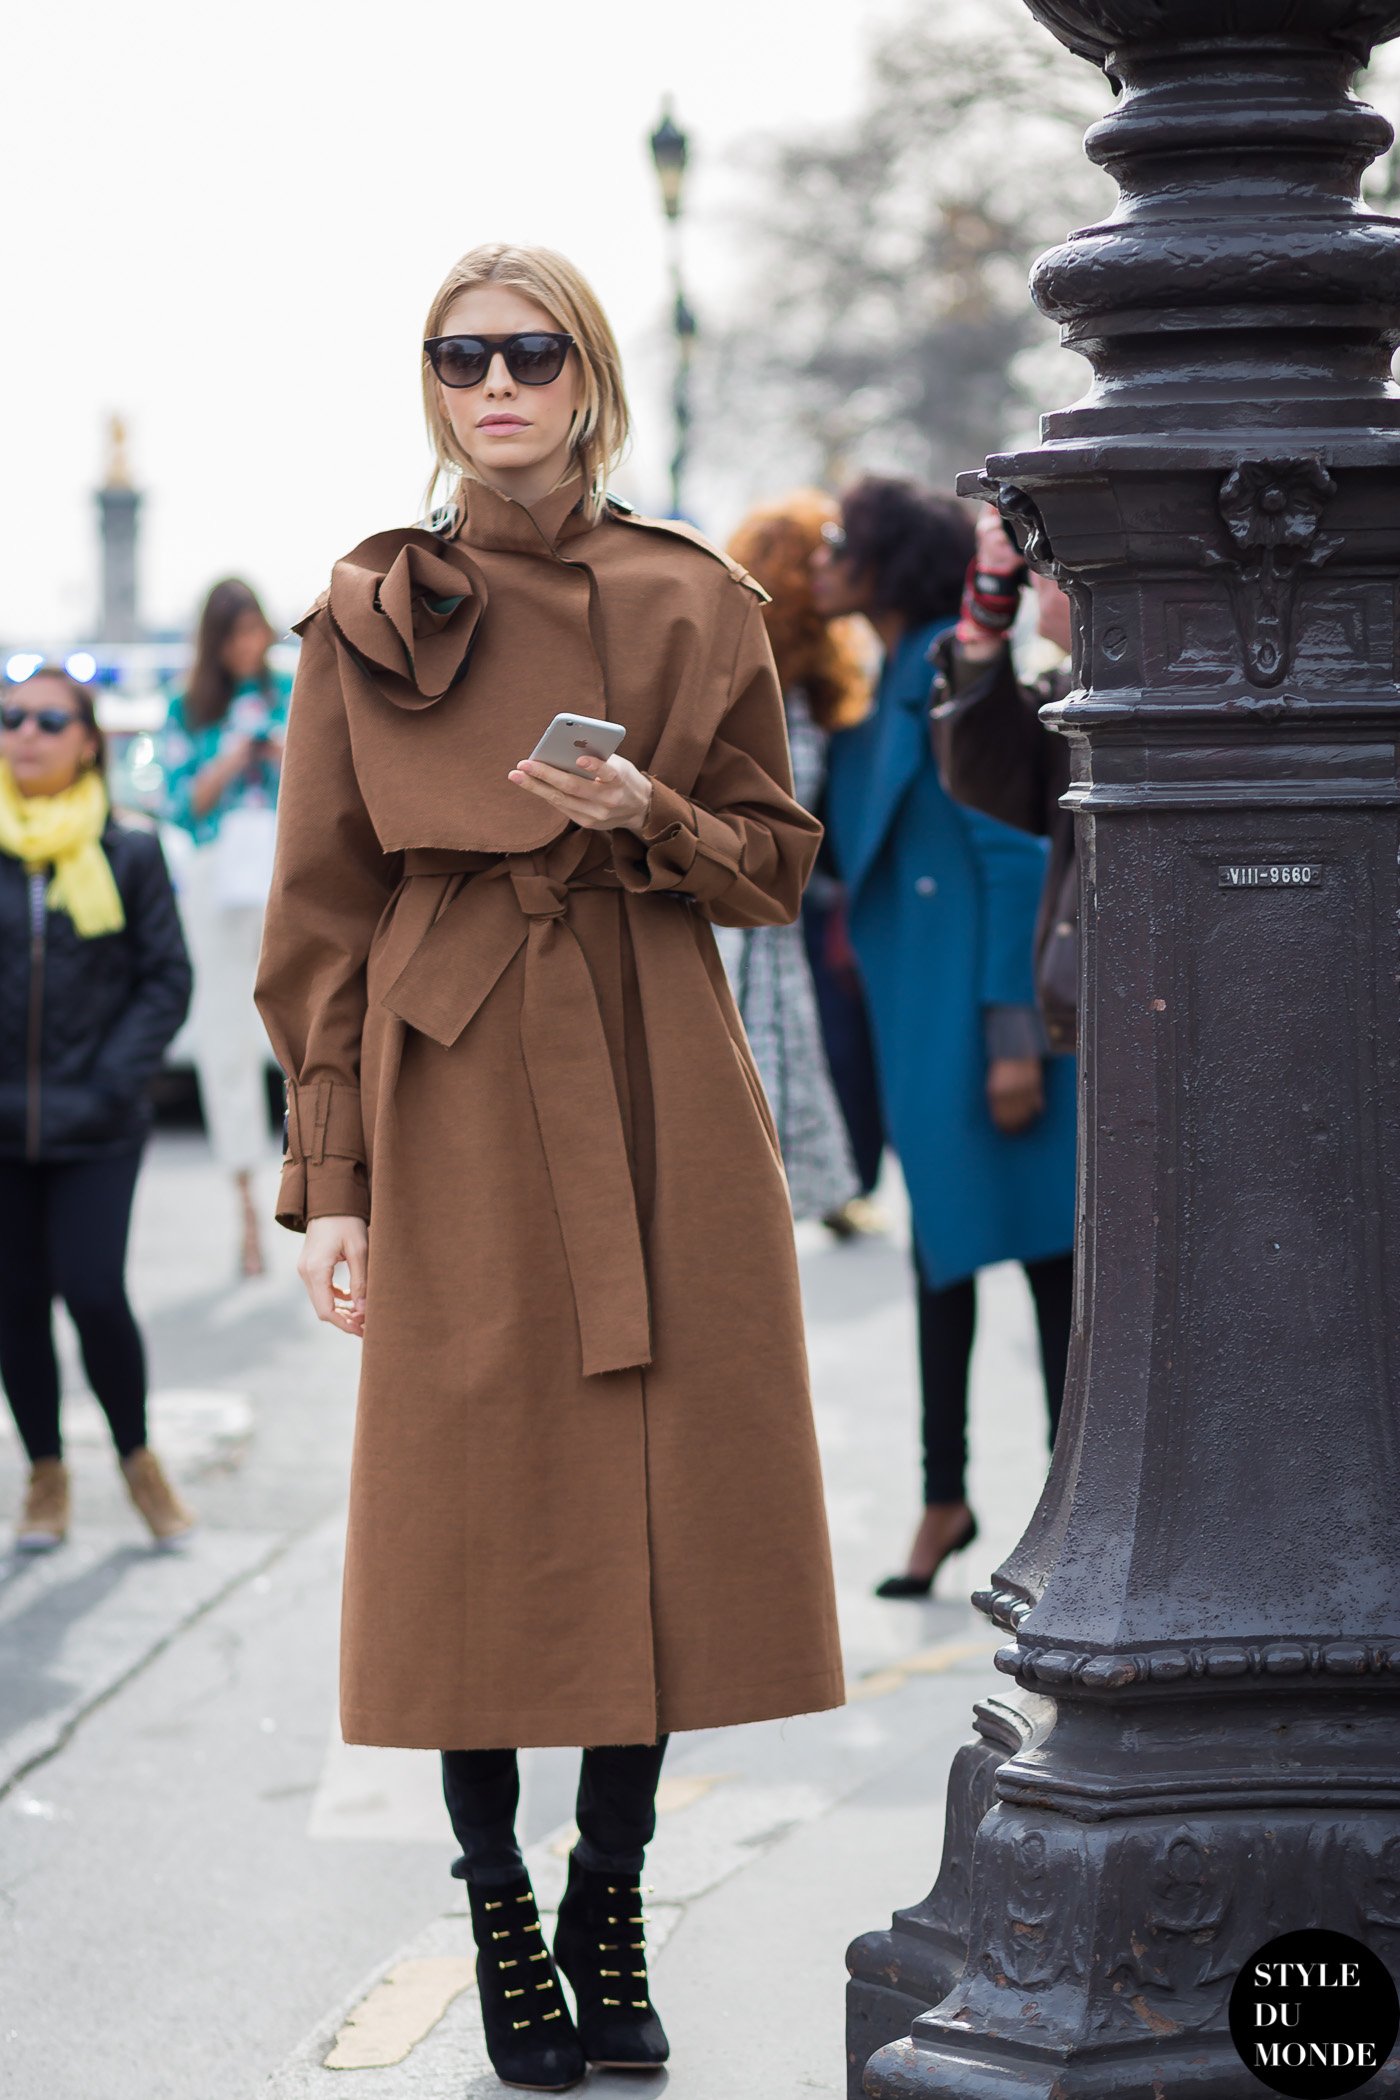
[(63, 1234), (947, 1324), (616, 1811), (850, 1050)]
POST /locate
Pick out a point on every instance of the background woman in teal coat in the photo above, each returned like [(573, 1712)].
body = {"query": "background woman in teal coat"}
[(942, 903)]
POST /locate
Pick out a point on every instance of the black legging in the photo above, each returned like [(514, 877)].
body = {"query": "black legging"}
[(63, 1234), (616, 1810), (947, 1324)]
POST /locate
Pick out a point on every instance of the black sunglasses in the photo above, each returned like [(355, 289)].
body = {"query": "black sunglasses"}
[(532, 359), (51, 720)]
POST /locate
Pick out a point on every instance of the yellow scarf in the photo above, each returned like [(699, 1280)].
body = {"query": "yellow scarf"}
[(64, 832)]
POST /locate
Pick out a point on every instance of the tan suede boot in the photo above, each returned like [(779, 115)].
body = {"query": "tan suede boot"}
[(146, 1483), (43, 1522)]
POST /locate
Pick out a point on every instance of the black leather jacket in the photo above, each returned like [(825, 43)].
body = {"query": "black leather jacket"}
[(84, 1023)]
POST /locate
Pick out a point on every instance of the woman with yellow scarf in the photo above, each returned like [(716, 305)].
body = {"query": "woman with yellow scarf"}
[(94, 982)]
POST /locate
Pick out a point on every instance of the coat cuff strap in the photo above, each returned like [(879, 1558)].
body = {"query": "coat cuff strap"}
[(323, 1121), (323, 1172), (683, 848)]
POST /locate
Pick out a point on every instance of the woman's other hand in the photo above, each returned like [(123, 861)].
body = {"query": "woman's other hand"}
[(328, 1243), (603, 795), (1015, 1092)]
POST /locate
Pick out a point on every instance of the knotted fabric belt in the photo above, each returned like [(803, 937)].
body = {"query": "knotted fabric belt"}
[(469, 931)]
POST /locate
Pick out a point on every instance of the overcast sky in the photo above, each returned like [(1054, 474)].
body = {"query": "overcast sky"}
[(227, 222)]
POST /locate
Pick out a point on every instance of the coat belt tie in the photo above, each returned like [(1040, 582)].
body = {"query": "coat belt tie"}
[(476, 929)]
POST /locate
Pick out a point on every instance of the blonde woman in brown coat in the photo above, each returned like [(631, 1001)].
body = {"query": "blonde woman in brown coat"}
[(524, 1121)]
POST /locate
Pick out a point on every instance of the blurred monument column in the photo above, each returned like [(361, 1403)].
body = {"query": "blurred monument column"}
[(1203, 1618), (119, 510)]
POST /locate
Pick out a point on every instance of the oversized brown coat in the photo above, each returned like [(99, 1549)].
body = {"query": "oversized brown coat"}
[(585, 1501)]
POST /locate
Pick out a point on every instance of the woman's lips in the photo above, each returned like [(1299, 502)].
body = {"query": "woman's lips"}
[(502, 423)]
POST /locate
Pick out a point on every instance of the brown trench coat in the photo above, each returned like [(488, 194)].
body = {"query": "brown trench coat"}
[(585, 1502)]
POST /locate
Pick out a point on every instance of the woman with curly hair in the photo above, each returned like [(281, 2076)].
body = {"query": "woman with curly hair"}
[(943, 905), (824, 689)]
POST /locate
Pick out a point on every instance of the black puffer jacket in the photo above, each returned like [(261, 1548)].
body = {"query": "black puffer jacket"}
[(83, 1023)]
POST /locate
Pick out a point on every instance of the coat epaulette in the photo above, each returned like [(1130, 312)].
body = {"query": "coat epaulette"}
[(626, 514), (300, 626)]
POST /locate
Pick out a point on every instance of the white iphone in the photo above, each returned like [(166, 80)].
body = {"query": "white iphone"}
[(571, 737)]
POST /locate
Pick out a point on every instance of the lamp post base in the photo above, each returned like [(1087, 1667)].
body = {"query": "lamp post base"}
[(904, 2071), (898, 1974), (1122, 1880)]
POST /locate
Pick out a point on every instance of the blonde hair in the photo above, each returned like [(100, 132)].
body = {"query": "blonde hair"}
[(551, 280)]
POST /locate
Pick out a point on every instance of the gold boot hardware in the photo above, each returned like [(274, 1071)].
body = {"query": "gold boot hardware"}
[(514, 2018), (167, 1517), (43, 1522)]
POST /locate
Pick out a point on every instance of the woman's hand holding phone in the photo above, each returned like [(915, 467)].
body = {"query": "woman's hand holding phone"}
[(600, 794), (329, 1242)]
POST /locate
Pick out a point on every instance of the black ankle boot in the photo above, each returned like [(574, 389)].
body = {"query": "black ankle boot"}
[(601, 1947), (529, 2036)]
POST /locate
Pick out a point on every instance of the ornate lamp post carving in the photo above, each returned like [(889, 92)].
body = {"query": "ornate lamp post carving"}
[(1203, 1614), (670, 151)]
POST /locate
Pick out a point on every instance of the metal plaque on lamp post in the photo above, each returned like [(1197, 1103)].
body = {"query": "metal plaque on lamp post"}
[(1203, 1618)]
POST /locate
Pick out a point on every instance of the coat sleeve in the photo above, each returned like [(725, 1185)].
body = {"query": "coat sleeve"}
[(742, 847), (160, 994), (330, 884), (1010, 872), (995, 753)]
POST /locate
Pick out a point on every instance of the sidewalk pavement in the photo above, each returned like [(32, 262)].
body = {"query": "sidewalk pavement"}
[(194, 1871)]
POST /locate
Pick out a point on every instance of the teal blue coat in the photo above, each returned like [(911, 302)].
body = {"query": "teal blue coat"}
[(942, 904)]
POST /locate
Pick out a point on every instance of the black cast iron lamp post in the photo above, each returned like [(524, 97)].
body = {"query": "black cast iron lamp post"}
[(1202, 1619), (670, 150)]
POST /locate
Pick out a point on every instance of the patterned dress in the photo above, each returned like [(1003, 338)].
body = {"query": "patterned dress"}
[(772, 983)]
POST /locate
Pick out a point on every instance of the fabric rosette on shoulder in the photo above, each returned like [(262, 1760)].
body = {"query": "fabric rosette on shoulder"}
[(410, 608)]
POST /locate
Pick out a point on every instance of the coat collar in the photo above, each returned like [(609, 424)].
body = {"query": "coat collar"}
[(907, 673), (874, 765), (498, 524)]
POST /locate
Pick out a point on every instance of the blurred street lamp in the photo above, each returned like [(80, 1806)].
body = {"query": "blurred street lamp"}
[(670, 151)]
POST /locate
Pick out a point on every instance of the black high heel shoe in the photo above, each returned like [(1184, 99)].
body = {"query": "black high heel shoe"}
[(530, 2038), (600, 1945), (922, 1585)]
